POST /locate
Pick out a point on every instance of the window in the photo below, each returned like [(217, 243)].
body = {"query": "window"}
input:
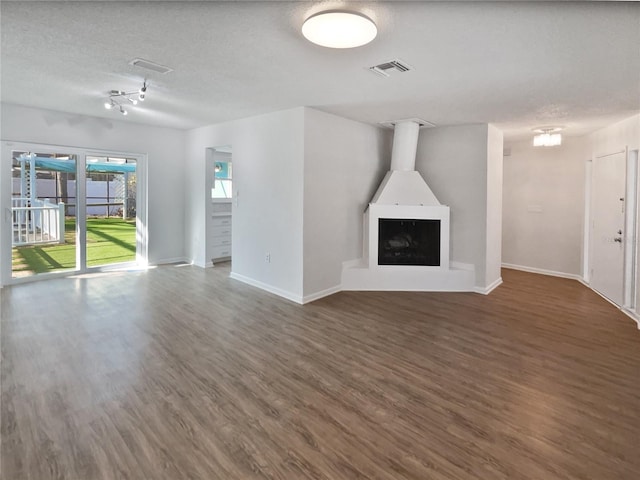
[(222, 181)]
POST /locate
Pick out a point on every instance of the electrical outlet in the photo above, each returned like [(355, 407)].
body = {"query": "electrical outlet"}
[(267, 258)]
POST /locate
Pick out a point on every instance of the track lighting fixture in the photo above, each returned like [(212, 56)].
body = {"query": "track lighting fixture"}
[(142, 91), (118, 97)]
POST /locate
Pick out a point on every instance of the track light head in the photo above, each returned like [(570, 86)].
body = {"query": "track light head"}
[(119, 97)]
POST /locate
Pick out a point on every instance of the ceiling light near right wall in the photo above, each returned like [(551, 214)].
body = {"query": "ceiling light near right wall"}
[(547, 137)]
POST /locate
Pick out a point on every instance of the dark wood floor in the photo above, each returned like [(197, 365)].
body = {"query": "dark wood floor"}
[(181, 373)]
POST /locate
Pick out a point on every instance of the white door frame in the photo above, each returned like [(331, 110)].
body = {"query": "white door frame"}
[(81, 154), (630, 227), (629, 240)]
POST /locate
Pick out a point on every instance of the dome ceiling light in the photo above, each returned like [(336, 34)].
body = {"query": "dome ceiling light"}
[(339, 29)]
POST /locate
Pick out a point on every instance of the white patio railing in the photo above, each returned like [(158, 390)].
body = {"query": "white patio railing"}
[(37, 221)]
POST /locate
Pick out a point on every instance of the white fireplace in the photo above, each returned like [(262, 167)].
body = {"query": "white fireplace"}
[(406, 231)]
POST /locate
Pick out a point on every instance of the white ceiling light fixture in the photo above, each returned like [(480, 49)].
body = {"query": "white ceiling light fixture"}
[(338, 29), (547, 137), (117, 99)]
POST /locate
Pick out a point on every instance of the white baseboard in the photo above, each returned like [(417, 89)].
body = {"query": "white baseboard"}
[(489, 289), (167, 261), (267, 288), (631, 314), (208, 264), (542, 271), (321, 294)]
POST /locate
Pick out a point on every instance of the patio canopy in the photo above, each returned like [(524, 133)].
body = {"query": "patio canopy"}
[(61, 165)]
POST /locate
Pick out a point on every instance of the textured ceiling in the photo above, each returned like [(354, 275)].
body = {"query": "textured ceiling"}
[(516, 64)]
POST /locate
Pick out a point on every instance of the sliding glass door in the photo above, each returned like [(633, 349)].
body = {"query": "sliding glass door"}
[(111, 186), (43, 212), (69, 210)]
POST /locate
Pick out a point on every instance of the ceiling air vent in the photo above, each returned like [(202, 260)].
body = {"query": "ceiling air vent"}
[(385, 68), (154, 67)]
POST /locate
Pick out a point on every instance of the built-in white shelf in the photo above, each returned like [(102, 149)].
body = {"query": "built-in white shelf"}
[(220, 233)]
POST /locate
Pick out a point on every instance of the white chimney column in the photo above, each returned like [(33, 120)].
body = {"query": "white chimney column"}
[(405, 145)]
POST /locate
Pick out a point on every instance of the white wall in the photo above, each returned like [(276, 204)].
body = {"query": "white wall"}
[(616, 137), (543, 205), (164, 148), (495, 148), (343, 165), (268, 162), (453, 161)]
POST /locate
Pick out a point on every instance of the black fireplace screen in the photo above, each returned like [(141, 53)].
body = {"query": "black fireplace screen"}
[(408, 242)]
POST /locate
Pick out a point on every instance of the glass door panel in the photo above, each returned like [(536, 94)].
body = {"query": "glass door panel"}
[(43, 213), (111, 186)]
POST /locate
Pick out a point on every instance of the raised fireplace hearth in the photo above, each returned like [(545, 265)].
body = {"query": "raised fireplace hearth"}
[(406, 231)]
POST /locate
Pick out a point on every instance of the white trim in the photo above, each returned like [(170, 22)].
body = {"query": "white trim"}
[(629, 271), (543, 271), (631, 232), (606, 298), (168, 261), (208, 264), (81, 212), (489, 289), (604, 155), (586, 227), (321, 294), (631, 314), (267, 288)]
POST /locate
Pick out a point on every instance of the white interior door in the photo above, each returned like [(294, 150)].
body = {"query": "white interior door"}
[(608, 223)]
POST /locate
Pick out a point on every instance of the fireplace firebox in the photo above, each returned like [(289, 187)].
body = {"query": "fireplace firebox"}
[(408, 242)]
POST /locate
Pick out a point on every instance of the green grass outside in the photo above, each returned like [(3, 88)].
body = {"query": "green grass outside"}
[(109, 240)]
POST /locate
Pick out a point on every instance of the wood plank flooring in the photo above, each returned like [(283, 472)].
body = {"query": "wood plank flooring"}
[(182, 373)]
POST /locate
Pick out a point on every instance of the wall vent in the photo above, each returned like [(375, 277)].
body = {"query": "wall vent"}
[(154, 67), (385, 68)]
